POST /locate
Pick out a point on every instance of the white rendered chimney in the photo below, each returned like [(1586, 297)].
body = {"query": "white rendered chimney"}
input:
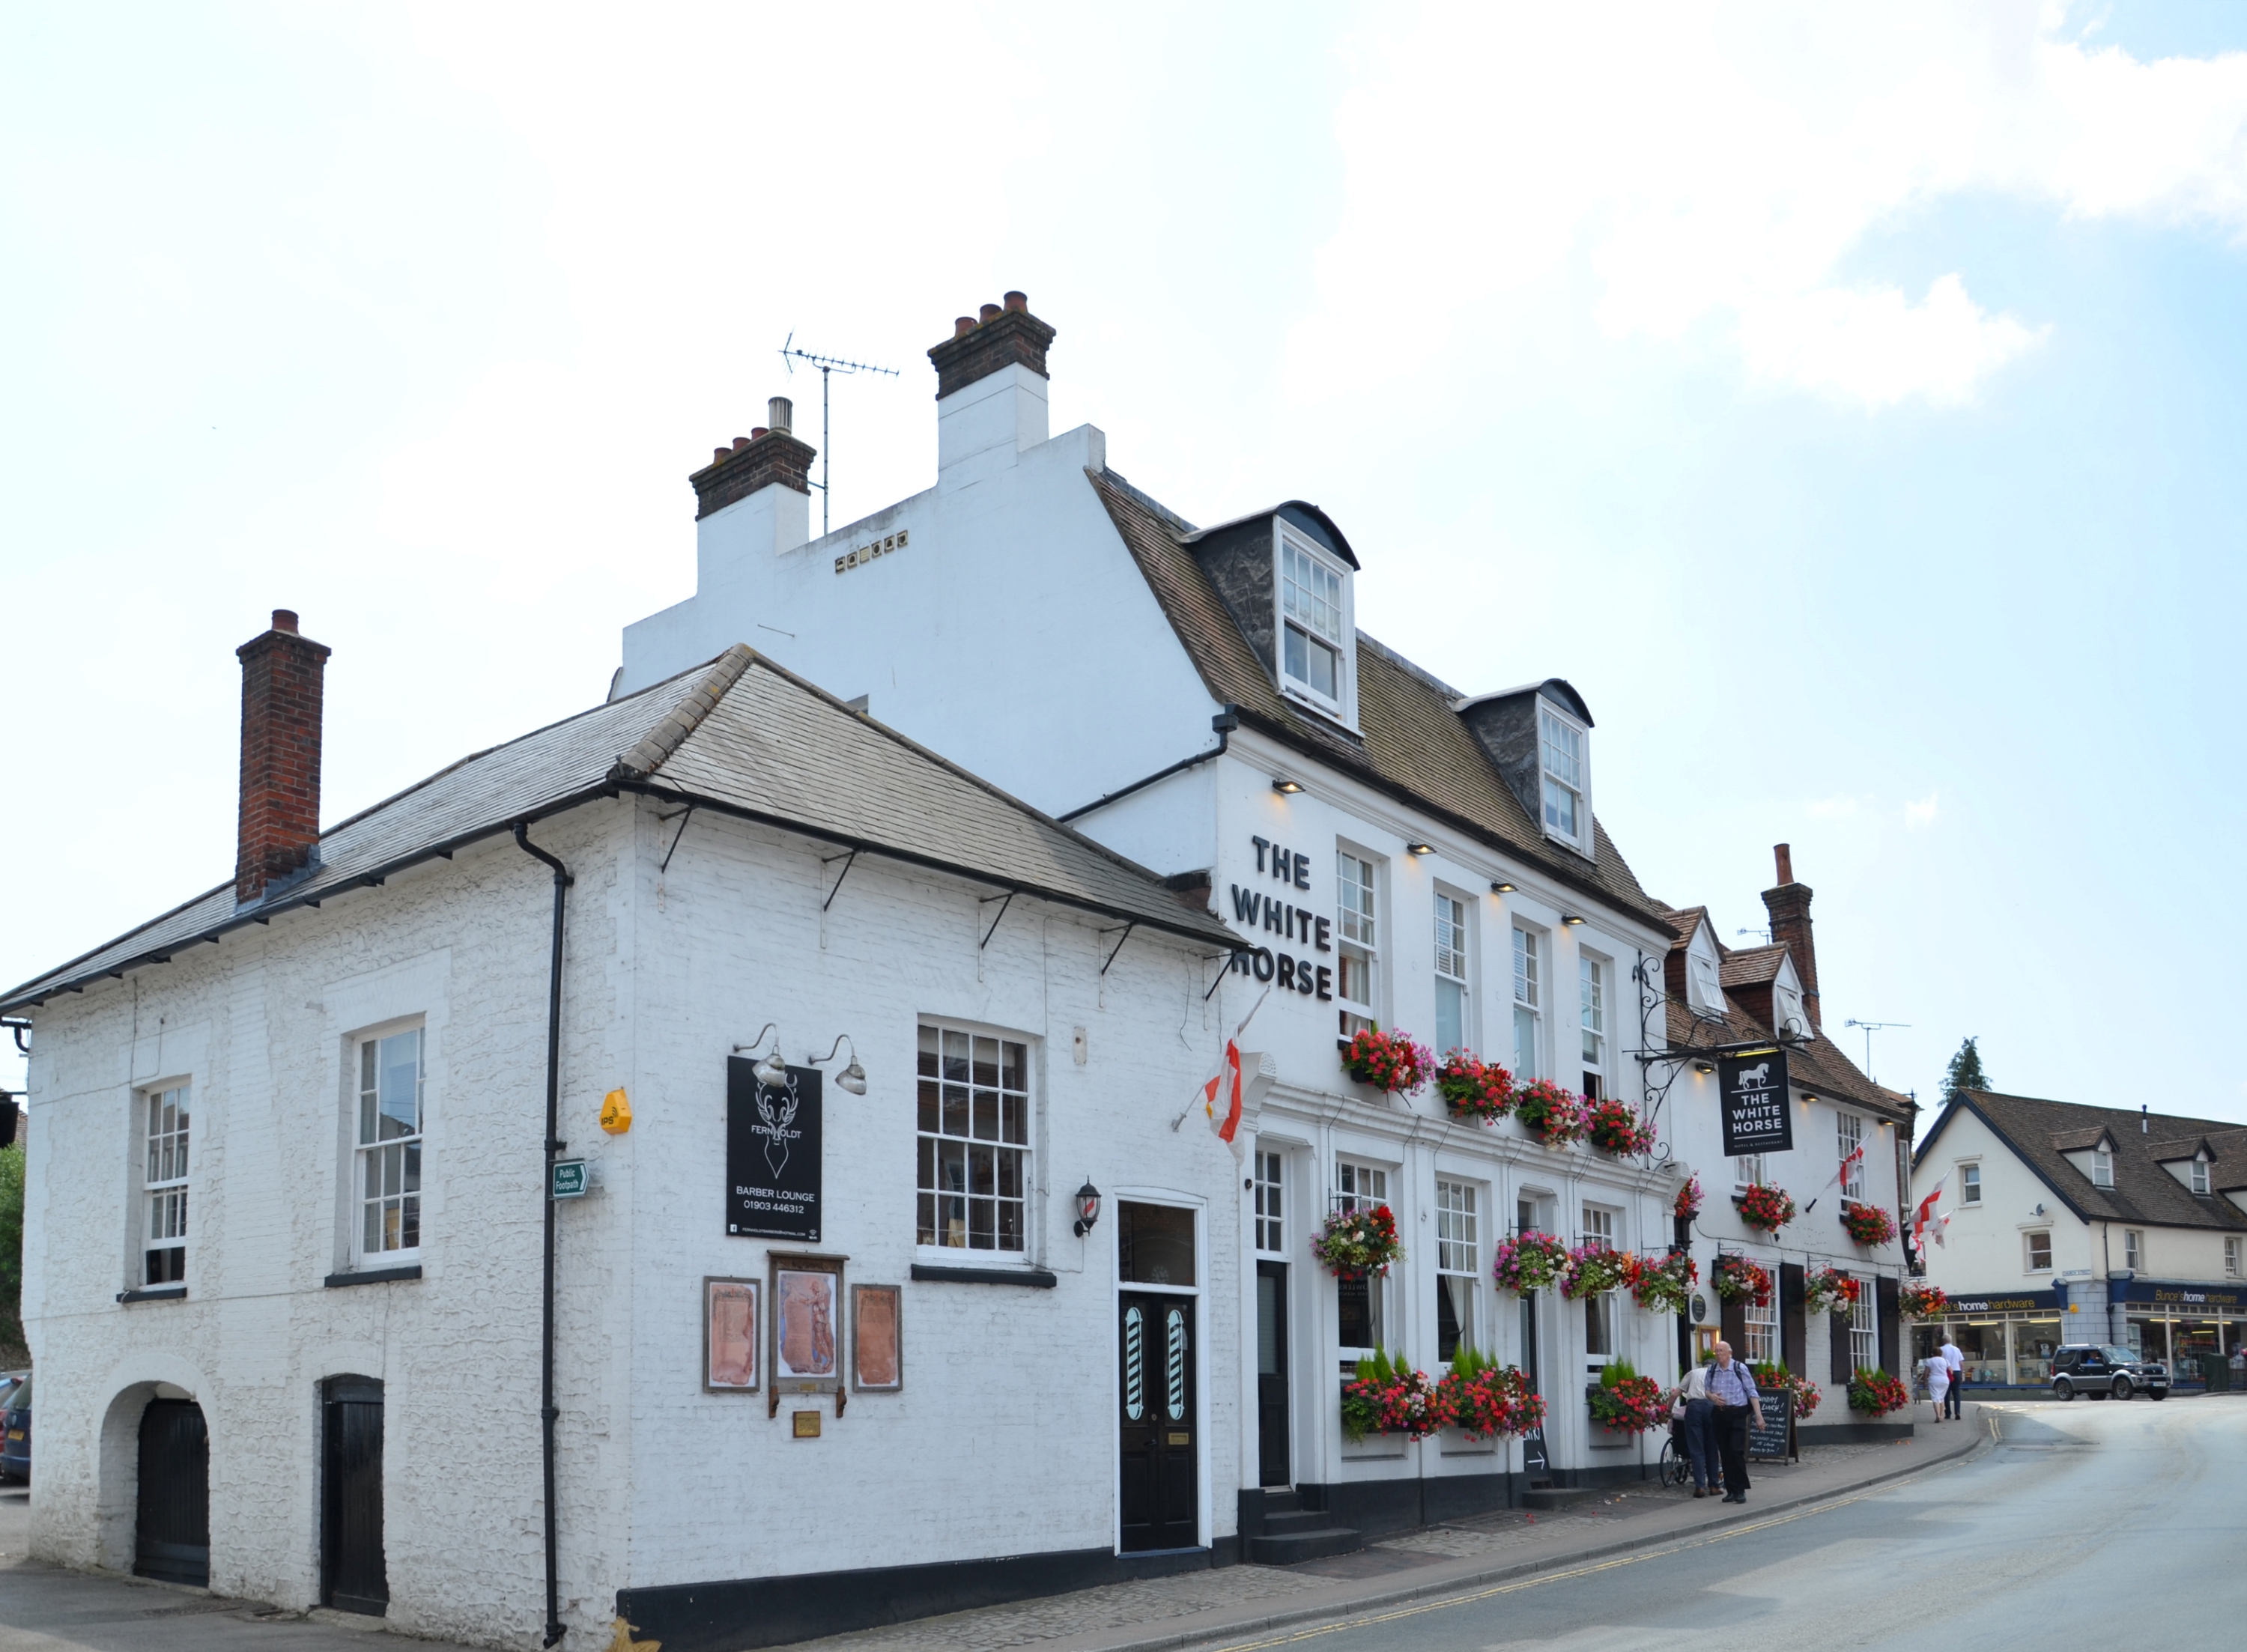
[(990, 392), (753, 499)]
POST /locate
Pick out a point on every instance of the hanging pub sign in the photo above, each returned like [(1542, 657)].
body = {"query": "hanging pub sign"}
[(772, 1153), (1751, 1089)]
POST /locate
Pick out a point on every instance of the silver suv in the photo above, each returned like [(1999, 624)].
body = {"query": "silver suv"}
[(2104, 1368)]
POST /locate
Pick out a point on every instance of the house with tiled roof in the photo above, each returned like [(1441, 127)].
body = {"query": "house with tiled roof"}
[(2065, 1222), (1846, 1152), (1392, 854)]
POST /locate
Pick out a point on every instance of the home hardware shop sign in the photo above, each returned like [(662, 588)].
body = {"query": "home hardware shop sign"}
[(772, 1154), (1751, 1089)]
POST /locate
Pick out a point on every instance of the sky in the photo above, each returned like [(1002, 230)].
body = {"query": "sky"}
[(1848, 401)]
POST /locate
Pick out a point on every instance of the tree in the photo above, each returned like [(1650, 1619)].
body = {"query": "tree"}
[(1965, 1072), (12, 1246)]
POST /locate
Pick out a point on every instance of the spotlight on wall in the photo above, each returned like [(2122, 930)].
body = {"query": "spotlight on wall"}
[(1087, 1207), (1501, 887), (851, 1078), (1287, 787), (1571, 919), (1705, 1066), (1419, 848), (772, 1072)]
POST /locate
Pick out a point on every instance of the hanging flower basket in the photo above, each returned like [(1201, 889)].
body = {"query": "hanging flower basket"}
[(1924, 1302), (1484, 1400), (1768, 1208), (1615, 1127), (1741, 1280), (1390, 1062), (1831, 1290), (1474, 1090), (1531, 1261), (1390, 1397), (1356, 1245), (1777, 1379), (1593, 1270), (1869, 1224), (1623, 1402), (1688, 1203), (1875, 1392), (1663, 1287), (1553, 1115)]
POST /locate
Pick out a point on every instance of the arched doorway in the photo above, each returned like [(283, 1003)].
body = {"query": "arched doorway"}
[(172, 1514), (353, 1574)]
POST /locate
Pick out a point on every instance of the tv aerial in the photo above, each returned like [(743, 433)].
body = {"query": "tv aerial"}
[(828, 366), (1869, 1028)]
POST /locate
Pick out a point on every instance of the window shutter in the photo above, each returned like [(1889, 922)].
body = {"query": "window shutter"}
[(1733, 1322), (1794, 1325), (1891, 1324), (1838, 1370)]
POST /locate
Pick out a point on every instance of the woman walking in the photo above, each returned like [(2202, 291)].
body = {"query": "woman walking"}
[(1938, 1382)]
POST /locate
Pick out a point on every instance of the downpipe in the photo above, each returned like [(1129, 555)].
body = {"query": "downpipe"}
[(548, 1415)]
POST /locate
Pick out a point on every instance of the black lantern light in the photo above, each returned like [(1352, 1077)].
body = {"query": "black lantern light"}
[(1088, 1208)]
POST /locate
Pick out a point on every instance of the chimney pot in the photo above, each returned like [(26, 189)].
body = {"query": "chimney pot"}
[(780, 412), (1780, 853), (992, 313), (757, 433), (285, 619), (962, 326), (279, 827), (1018, 301), (716, 453)]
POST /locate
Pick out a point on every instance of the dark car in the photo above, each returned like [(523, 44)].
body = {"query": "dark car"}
[(2104, 1368), (15, 1436)]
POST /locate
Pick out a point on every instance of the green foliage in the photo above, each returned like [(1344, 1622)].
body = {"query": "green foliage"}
[(12, 1246), (1466, 1362), (1619, 1371), (1965, 1072)]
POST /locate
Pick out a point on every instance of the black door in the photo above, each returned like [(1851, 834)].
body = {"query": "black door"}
[(351, 1574), (1534, 1463), (1271, 1374), (171, 1523), (1156, 1337)]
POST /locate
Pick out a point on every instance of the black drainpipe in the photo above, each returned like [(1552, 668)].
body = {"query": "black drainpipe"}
[(555, 1627)]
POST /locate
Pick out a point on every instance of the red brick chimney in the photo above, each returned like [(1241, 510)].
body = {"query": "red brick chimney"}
[(280, 820), (772, 455), (1789, 907)]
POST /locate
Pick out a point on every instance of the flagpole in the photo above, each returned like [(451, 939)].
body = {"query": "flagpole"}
[(1178, 1123)]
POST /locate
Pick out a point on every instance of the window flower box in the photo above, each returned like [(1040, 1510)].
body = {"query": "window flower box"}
[(1390, 1062), (1868, 1224), (1768, 1208)]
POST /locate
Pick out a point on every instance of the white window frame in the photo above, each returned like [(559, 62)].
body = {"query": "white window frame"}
[(934, 1195), (1271, 1180), (1458, 1256), (396, 1167), (1552, 722), (2200, 1176), (2133, 1249), (2029, 1238), (165, 1116), (1865, 1325), (1602, 1225), (1368, 1185), (1702, 990), (1451, 955), (1762, 1330), (2102, 1168), (1751, 1169), (1848, 1137), (2231, 1257), (1788, 1005), (1528, 972), (1357, 937), (1970, 1183), (1592, 1022), (1341, 705)]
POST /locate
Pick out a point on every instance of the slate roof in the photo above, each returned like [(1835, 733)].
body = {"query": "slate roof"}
[(1414, 745), (739, 735), (2143, 1191)]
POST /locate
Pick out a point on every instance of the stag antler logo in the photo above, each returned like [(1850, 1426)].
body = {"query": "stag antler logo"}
[(775, 1131)]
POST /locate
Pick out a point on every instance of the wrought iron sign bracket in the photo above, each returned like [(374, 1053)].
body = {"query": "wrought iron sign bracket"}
[(1126, 936), (1005, 901), (685, 818), (828, 860)]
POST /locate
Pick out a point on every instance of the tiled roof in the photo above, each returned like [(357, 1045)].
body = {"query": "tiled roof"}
[(1816, 1064), (2143, 1191), (2079, 1140), (738, 734), (1685, 920), (1751, 965), (1414, 745)]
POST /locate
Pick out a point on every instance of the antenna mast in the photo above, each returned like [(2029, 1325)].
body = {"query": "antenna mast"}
[(1869, 1029), (827, 365)]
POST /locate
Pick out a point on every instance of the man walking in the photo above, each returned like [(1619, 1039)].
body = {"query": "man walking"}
[(1732, 1401), (1954, 1358)]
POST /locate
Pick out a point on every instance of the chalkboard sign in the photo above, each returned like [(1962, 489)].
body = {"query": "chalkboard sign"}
[(1774, 1441)]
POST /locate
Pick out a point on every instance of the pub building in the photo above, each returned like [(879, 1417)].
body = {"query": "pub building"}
[(1387, 851), (1755, 1095), (2068, 1223), (639, 1172)]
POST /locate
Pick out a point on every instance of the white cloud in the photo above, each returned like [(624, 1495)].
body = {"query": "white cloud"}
[(1709, 174), (1920, 813)]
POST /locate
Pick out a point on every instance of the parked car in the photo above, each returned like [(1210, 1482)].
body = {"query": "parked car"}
[(2104, 1368), (16, 1446)]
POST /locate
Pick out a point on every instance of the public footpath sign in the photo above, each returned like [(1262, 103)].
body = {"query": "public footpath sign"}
[(568, 1180), (1752, 1091)]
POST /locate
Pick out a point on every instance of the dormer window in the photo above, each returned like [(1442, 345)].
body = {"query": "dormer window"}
[(1313, 625), (2102, 1168), (1702, 992), (2200, 1176), (1789, 1004), (1561, 744)]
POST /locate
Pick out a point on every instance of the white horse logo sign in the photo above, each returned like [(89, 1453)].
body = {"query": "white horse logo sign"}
[(1753, 1089)]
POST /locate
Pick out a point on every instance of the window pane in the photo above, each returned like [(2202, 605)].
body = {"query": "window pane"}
[(1010, 1174), (955, 1057), (980, 1236), (401, 1084), (952, 1165), (410, 1222), (1014, 1066), (1321, 674), (370, 1240), (924, 1218), (928, 1036), (1525, 1044), (987, 1116), (1295, 654), (980, 1176), (927, 1177), (413, 1150), (986, 1062), (374, 1173), (1010, 1225), (928, 1104), (1450, 1017), (955, 1110), (1014, 1119)]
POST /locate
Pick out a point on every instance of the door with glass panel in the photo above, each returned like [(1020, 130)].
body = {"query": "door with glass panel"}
[(1272, 1454), (1534, 1463), (1155, 1390)]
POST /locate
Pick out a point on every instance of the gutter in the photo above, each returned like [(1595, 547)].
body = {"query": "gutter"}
[(547, 1413)]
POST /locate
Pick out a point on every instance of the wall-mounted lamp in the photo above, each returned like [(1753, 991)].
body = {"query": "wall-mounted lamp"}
[(1501, 887), (1705, 1066), (1087, 1207), (1572, 920), (851, 1078), (772, 1072), (1287, 787), (1419, 848)]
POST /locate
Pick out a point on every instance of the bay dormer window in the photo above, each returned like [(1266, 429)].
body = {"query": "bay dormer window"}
[(1314, 631), (1560, 744)]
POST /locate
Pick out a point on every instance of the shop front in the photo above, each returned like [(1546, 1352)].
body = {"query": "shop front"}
[(2008, 1340), (2189, 1327)]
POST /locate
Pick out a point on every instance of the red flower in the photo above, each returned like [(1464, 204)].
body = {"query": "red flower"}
[(1768, 1208)]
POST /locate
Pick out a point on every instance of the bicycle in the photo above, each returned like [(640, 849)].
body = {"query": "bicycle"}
[(1676, 1466)]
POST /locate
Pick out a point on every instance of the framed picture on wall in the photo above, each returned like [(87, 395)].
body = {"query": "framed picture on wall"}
[(729, 1336), (877, 1359), (805, 1345)]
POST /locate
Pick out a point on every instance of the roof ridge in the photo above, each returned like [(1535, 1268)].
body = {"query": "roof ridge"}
[(655, 747)]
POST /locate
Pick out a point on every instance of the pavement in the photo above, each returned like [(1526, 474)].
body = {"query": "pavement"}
[(2017, 1464)]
